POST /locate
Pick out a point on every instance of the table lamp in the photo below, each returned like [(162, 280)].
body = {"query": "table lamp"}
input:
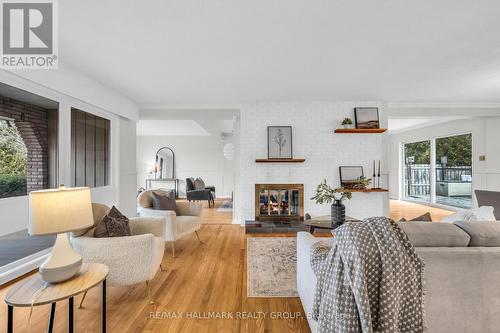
[(60, 211)]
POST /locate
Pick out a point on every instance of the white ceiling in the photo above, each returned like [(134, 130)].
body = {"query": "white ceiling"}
[(398, 125), (168, 52), (170, 128)]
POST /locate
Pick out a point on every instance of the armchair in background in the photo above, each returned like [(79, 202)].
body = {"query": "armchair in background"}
[(197, 190), (186, 220)]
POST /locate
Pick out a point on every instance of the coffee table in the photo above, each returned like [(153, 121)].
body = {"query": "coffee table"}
[(325, 222)]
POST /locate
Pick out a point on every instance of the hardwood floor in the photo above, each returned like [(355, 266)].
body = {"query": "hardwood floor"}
[(203, 280), (409, 210)]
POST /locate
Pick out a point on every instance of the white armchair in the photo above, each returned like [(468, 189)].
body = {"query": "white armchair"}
[(187, 219), (131, 259)]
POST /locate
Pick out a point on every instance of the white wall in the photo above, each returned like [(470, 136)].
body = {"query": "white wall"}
[(313, 140), (61, 85), (195, 156), (485, 140)]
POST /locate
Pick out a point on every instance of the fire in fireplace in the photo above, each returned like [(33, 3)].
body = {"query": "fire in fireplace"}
[(279, 202)]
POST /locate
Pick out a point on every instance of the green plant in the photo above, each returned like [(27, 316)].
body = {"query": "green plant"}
[(347, 121), (327, 194), (12, 185), (363, 182)]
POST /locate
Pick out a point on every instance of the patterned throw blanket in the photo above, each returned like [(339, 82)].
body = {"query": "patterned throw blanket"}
[(370, 281)]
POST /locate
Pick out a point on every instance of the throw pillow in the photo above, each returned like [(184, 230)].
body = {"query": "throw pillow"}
[(483, 213), (163, 202), (422, 218), (114, 224), (199, 184), (458, 216)]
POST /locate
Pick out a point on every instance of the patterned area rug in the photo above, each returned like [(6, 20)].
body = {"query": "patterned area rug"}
[(227, 206), (271, 267)]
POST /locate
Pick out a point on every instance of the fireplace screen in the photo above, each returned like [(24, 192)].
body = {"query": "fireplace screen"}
[(278, 201)]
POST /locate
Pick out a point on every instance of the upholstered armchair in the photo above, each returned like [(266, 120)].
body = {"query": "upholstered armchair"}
[(131, 259), (202, 192), (186, 220)]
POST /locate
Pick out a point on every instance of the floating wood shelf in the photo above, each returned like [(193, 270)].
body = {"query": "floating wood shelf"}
[(280, 160), (360, 130), (369, 190)]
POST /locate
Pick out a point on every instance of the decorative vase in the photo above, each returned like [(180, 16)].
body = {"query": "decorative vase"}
[(338, 213)]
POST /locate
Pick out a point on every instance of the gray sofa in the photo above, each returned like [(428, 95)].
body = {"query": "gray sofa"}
[(462, 274)]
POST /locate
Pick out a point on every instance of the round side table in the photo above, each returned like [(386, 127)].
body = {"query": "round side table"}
[(29, 290)]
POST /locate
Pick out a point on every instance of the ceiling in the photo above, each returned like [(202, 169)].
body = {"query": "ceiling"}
[(398, 125), (166, 52), (163, 122)]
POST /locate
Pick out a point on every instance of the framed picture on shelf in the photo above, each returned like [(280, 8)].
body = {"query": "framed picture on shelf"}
[(366, 117), (350, 176), (279, 142)]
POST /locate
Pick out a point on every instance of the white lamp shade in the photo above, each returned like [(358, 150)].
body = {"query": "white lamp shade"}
[(61, 210)]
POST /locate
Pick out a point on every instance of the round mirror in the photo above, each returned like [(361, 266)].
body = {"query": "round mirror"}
[(165, 163)]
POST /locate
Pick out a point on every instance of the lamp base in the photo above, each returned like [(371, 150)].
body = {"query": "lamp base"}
[(63, 262)]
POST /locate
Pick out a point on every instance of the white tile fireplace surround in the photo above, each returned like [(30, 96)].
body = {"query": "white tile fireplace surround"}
[(313, 140)]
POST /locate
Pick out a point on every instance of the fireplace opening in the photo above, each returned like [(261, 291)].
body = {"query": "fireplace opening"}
[(279, 202)]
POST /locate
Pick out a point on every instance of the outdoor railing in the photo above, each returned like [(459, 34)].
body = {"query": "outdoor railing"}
[(420, 177)]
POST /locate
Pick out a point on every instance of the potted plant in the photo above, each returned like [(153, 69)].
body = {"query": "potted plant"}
[(335, 196), (347, 122)]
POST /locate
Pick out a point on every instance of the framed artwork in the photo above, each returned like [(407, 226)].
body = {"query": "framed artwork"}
[(366, 117), (350, 175), (279, 142)]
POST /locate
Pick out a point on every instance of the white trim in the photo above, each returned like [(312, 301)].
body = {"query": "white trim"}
[(22, 266)]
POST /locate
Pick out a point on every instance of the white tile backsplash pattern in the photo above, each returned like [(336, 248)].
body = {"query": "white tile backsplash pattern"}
[(313, 139)]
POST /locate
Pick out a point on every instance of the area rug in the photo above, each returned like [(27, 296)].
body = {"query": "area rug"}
[(227, 206), (271, 267)]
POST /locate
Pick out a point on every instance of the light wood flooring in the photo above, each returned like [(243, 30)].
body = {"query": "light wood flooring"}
[(410, 210), (203, 278)]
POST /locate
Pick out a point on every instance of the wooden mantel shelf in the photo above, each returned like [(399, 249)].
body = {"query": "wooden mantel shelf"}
[(280, 160), (369, 190), (360, 130)]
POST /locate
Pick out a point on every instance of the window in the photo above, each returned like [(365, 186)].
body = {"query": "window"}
[(13, 158), (454, 171), (28, 142), (416, 171), (89, 149), (451, 169)]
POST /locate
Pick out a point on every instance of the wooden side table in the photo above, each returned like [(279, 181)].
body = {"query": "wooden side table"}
[(31, 290)]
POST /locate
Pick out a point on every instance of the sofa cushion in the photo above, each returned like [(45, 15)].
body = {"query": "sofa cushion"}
[(425, 234), (164, 202), (482, 233), (114, 224)]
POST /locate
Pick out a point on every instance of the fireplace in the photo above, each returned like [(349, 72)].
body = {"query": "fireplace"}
[(279, 202)]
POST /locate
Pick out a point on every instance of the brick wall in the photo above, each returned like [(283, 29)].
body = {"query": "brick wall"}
[(32, 123), (313, 140)]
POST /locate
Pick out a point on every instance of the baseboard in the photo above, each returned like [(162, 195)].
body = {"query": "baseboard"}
[(22, 266)]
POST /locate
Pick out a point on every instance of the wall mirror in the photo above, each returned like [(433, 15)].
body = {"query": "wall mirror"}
[(165, 163)]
